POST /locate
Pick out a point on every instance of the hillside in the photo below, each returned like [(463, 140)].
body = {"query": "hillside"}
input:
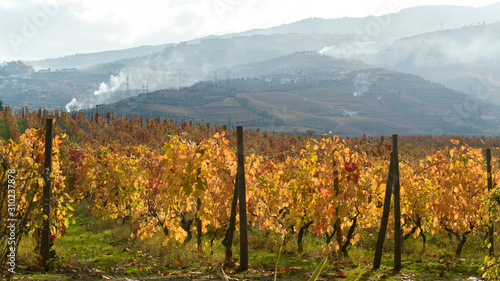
[(463, 58), (306, 65), (390, 26), (286, 61), (394, 25), (81, 61), (347, 102)]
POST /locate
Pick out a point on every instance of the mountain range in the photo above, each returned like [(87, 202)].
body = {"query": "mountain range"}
[(422, 70)]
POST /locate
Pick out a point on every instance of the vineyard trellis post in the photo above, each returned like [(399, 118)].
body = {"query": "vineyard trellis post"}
[(491, 250), (397, 206), (45, 243), (199, 228), (242, 198), (228, 239), (392, 179), (336, 187)]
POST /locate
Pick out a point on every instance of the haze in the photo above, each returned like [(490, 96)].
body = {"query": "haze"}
[(38, 29)]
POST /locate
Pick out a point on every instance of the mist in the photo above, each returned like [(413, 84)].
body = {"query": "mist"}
[(458, 58)]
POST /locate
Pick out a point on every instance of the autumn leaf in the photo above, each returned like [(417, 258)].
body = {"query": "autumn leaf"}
[(324, 192)]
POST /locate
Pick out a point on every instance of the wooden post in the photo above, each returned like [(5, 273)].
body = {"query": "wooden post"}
[(45, 247), (397, 206), (228, 239), (336, 188), (491, 250), (385, 216), (243, 202), (198, 226)]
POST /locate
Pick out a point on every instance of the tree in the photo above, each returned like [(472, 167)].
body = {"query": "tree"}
[(1, 105), (16, 68)]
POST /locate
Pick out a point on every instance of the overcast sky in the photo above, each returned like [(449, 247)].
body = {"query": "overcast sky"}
[(38, 29)]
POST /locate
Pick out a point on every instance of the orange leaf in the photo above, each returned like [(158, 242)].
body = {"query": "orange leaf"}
[(324, 192)]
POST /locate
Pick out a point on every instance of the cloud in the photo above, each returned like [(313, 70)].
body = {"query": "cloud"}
[(8, 4)]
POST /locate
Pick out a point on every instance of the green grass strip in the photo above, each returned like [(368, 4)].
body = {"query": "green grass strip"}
[(4, 133)]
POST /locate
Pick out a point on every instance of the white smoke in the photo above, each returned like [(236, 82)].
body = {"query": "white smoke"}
[(170, 69), (108, 92), (73, 105), (361, 84), (356, 50), (115, 82)]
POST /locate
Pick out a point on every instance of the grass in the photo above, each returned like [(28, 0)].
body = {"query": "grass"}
[(22, 125), (95, 249), (4, 133)]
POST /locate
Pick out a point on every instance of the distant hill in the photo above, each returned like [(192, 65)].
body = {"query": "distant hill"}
[(386, 28), (346, 102), (465, 58), (187, 63), (452, 45), (80, 61), (306, 65), (407, 22)]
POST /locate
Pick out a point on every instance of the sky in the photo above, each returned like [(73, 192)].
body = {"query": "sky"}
[(39, 29)]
